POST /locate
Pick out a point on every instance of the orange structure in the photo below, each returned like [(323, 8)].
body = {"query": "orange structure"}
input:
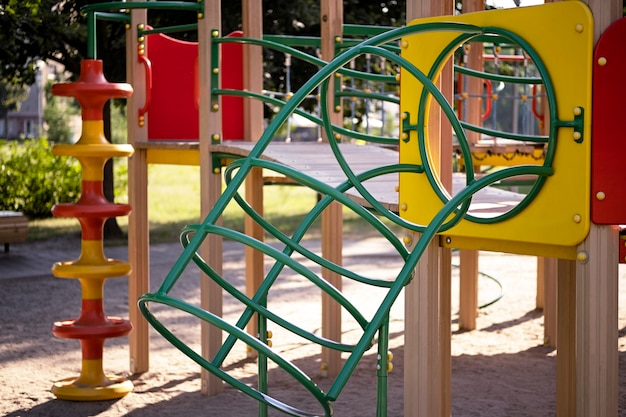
[(93, 327)]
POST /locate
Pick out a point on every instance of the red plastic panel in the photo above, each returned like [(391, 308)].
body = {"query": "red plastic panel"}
[(173, 110), (608, 146), (231, 71), (622, 246)]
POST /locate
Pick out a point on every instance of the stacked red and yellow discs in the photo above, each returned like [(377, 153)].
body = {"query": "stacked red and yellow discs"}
[(92, 268)]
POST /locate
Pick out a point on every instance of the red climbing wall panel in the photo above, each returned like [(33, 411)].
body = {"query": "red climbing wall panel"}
[(173, 109), (608, 146)]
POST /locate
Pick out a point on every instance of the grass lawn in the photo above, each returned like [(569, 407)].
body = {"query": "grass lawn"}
[(174, 201)]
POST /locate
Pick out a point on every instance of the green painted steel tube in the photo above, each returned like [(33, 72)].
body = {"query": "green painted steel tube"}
[(453, 210), (99, 10)]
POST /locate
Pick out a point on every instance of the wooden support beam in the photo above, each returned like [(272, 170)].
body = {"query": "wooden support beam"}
[(546, 298), (252, 16), (596, 324), (332, 246), (472, 108), (424, 348), (468, 289), (332, 218), (427, 374), (210, 190), (604, 12), (255, 268), (445, 254), (566, 327), (138, 225), (596, 292), (445, 349)]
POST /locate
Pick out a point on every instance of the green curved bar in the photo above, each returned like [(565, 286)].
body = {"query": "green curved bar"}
[(454, 209), (254, 304), (95, 10), (334, 194), (210, 318), (383, 140), (363, 94), (148, 5), (506, 135), (271, 42), (113, 17), (497, 77), (168, 29)]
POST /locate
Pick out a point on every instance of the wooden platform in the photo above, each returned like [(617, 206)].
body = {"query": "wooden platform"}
[(317, 160)]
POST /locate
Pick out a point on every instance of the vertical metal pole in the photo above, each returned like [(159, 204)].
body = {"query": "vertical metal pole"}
[(91, 36)]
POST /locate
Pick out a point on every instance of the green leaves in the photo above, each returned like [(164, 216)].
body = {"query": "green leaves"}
[(32, 179)]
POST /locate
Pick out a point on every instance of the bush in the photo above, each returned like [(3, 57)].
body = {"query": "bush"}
[(32, 179)]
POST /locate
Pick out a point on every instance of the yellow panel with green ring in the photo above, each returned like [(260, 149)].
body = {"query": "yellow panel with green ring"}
[(554, 216)]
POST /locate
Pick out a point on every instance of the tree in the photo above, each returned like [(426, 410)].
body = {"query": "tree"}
[(47, 30), (34, 30)]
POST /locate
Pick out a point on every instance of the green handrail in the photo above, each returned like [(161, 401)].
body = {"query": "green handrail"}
[(498, 77), (93, 11)]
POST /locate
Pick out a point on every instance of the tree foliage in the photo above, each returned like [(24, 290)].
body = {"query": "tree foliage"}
[(34, 30), (32, 180)]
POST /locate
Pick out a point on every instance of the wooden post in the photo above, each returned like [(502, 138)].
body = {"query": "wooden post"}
[(546, 298), (332, 218), (423, 377), (566, 328), (596, 293), (210, 190), (427, 374), (445, 254), (468, 289), (468, 259), (252, 16), (138, 228), (596, 323)]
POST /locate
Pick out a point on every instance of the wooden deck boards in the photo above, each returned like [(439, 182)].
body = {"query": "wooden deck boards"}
[(317, 160)]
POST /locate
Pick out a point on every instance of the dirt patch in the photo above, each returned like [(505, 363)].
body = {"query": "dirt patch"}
[(501, 369)]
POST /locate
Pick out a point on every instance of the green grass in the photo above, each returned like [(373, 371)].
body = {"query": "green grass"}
[(174, 201)]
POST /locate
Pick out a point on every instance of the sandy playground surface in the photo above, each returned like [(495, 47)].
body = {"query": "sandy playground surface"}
[(501, 369)]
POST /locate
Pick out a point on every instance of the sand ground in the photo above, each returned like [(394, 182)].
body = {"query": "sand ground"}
[(502, 368)]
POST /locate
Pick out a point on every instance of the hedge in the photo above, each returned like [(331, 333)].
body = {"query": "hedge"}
[(32, 179)]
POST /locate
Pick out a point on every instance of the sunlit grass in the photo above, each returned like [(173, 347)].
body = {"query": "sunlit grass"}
[(174, 201)]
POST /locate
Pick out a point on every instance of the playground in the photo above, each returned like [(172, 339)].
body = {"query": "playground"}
[(319, 325), (502, 369)]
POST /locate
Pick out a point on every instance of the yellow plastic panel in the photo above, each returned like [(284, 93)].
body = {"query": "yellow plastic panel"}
[(559, 217)]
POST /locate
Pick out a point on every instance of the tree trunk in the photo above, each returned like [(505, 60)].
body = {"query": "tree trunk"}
[(112, 230)]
